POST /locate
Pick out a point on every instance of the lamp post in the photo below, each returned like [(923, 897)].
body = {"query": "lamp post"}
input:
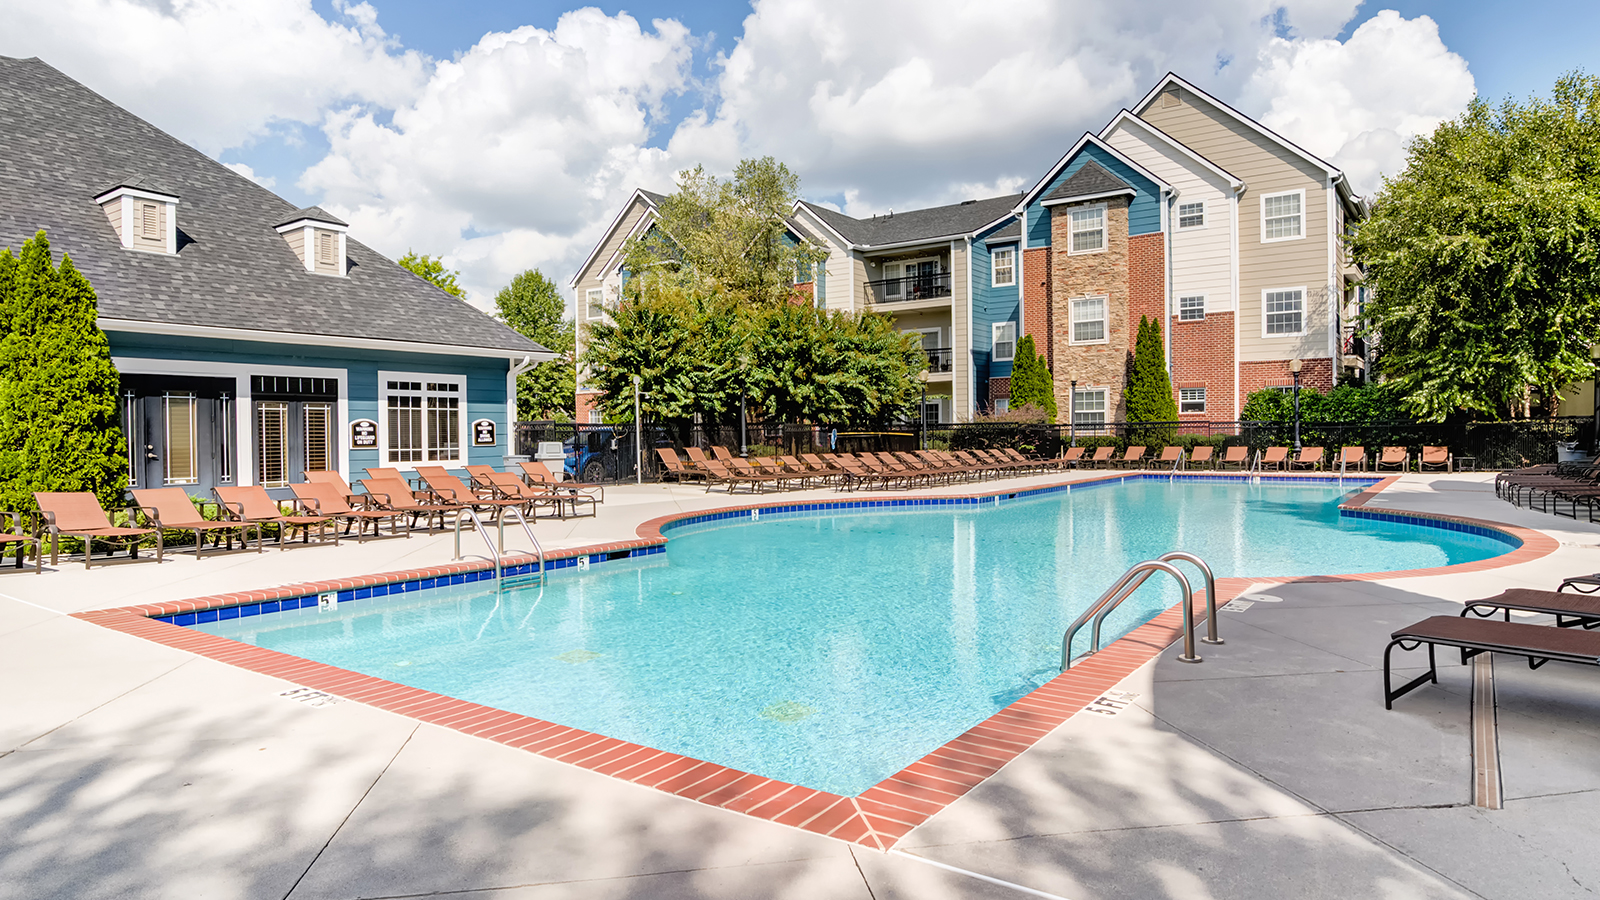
[(638, 435), (1294, 369), (922, 412), (1072, 412), (744, 376)]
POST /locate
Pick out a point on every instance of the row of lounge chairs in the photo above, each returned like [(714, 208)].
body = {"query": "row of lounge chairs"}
[(324, 502), (1272, 458), (847, 471), (1473, 632), (1560, 488)]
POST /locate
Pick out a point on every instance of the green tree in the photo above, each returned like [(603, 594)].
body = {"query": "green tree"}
[(59, 428), (1484, 256), (532, 306), (1148, 396), (1031, 384), (687, 350), (431, 269), (810, 365)]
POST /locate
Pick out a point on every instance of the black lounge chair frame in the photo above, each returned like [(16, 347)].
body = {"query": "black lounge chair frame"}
[(1538, 644), (1570, 610)]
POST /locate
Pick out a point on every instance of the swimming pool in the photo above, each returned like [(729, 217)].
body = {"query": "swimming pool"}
[(832, 650)]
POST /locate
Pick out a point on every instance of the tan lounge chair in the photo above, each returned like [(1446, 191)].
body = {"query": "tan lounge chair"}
[(1434, 458), (1352, 458), (253, 504), (722, 454), (1393, 457), (1073, 457), (174, 509), (1276, 457), (1132, 457), (536, 471), (718, 472), (79, 515), (1102, 457), (450, 488), (17, 534), (395, 494), (326, 500), (1203, 456), (1170, 458), (536, 495), (1236, 457), (676, 467), (1308, 458)]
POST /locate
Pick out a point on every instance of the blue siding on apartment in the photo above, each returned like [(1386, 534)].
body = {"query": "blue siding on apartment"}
[(1144, 214), (990, 305), (485, 376)]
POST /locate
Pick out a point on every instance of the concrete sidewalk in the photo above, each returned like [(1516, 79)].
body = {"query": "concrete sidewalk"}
[(129, 769)]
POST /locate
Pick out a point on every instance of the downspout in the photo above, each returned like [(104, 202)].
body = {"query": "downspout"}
[(515, 368), (972, 381), (1166, 245)]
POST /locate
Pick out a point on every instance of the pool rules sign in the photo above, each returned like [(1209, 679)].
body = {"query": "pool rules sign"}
[(363, 434), (483, 433)]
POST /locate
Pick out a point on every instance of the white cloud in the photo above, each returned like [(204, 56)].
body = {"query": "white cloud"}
[(216, 72), (263, 180), (514, 155), (1357, 103)]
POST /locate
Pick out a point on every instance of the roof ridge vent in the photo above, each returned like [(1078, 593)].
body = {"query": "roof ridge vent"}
[(968, 202)]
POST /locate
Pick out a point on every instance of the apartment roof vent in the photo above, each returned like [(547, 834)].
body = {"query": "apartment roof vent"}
[(143, 214), (317, 237)]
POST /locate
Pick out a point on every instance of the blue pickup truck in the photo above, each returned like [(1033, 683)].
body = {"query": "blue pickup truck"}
[(606, 454)]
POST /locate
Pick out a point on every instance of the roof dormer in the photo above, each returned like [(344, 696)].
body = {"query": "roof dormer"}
[(318, 239), (144, 215)]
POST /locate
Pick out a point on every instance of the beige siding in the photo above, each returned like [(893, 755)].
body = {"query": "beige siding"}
[(335, 267), (960, 309), (1266, 167), (297, 242), (114, 213), (601, 272), (842, 286)]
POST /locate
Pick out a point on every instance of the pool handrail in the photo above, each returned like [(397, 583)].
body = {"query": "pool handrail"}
[(1131, 581), (500, 521)]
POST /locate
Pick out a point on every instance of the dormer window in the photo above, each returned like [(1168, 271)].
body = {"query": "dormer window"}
[(318, 239), (144, 216)]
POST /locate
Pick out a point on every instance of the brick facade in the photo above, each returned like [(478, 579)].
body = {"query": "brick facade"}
[(1147, 278), (1314, 373), (1036, 308), (999, 389), (1202, 356), (586, 403)]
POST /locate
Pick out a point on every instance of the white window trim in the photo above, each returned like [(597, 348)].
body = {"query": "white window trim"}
[(1305, 218), (1205, 305), (1082, 391), (588, 295), (994, 341), (1305, 314), (462, 445), (994, 279), (1072, 331), (1205, 219), (1105, 230), (1192, 412)]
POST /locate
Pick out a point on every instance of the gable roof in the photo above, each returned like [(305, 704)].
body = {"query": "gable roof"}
[(1090, 182), (1087, 139), (314, 214), (650, 199), (62, 145), (1126, 118), (914, 226)]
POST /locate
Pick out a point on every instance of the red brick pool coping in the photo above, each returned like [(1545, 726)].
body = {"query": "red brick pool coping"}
[(876, 818)]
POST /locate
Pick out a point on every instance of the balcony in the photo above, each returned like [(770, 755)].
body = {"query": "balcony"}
[(909, 289), (940, 359)]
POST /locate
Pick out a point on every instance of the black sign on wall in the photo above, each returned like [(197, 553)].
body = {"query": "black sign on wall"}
[(483, 433), (363, 434)]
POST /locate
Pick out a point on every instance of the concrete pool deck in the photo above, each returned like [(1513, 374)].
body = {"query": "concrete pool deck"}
[(134, 769)]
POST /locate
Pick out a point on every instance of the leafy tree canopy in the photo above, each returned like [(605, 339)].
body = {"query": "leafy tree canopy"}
[(1485, 256), (1031, 384), (532, 306), (1346, 403), (1149, 392), (431, 269)]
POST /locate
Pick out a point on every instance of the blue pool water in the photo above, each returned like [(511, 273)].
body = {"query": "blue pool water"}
[(832, 651)]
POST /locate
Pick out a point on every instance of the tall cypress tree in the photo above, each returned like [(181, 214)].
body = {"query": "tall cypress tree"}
[(1030, 379), (1149, 392), (59, 425)]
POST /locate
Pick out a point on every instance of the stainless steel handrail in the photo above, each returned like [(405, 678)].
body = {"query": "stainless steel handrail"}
[(500, 522), (1131, 581), (537, 547), (473, 514), (1171, 556)]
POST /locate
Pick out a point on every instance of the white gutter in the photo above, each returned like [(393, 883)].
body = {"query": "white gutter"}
[(1085, 198), (516, 368), (1166, 240), (317, 340)]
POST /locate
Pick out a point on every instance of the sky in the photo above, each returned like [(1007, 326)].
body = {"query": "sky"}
[(505, 136)]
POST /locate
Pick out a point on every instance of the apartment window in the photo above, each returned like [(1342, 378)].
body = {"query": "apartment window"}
[(130, 435), (1089, 406), (1192, 215), (1191, 309), (596, 304), (1088, 230), (422, 415), (1089, 320), (1005, 267), (596, 417), (182, 463), (1005, 341), (317, 425), (1281, 216), (1191, 400), (1284, 312), (1002, 404)]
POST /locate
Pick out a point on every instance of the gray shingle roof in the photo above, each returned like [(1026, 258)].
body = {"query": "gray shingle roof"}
[(1011, 231), (1089, 181), (315, 214), (138, 182), (61, 145), (917, 224)]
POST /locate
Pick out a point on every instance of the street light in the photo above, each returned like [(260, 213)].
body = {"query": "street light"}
[(922, 411), (1072, 412), (638, 435), (1294, 368), (744, 377)]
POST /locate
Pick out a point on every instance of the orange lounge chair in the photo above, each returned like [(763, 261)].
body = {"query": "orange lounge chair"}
[(1393, 457), (452, 489), (1237, 457), (1308, 458), (534, 495), (1073, 457), (1351, 458), (253, 504), (676, 467), (395, 494), (1276, 457), (1131, 457), (20, 536), (1202, 456), (1434, 457), (1102, 456), (79, 515), (718, 472), (324, 499), (722, 454), (1170, 458), (174, 509), (536, 471)]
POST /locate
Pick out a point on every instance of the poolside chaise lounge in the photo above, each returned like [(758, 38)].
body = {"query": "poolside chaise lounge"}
[(78, 514), (174, 509), (1434, 457), (17, 534), (535, 471), (324, 499), (1539, 644), (1276, 457), (1102, 456), (1170, 458), (718, 472), (507, 485), (1132, 457), (1352, 458), (449, 488), (1393, 458), (254, 504), (396, 494), (1308, 458), (722, 454), (1072, 457), (1202, 456), (676, 467), (1570, 610), (1237, 457)]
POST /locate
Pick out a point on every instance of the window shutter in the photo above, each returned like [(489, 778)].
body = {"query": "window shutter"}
[(149, 222)]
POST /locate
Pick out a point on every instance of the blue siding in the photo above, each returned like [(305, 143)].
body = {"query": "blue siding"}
[(486, 378), (1144, 214), (990, 305)]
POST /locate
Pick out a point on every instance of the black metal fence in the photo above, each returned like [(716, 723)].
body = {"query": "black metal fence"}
[(607, 453)]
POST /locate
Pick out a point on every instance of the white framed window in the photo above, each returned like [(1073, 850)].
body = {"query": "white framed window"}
[(180, 464), (1283, 216), (1191, 400), (1283, 312), (1089, 406), (595, 304), (1004, 269), (1192, 215), (422, 418), (1192, 309), (1002, 404), (1089, 320), (596, 417), (1088, 230), (1005, 341)]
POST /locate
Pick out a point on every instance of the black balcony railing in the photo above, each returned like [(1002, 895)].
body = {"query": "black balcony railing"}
[(940, 359), (911, 287)]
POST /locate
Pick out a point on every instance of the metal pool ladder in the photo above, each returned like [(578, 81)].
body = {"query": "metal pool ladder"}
[(496, 551), (1131, 581)]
